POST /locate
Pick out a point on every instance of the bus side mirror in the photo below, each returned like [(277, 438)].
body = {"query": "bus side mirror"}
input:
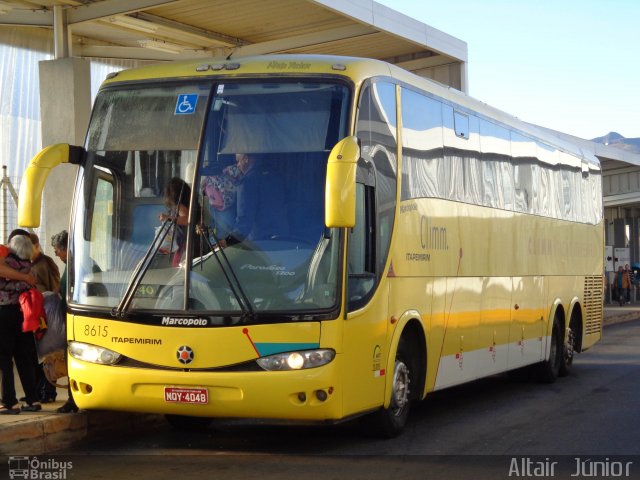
[(340, 189), (32, 185)]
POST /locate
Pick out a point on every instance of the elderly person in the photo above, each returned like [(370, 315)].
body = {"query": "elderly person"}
[(14, 344), (59, 243), (5, 270)]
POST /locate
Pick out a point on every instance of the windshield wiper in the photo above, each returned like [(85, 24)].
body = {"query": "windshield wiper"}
[(230, 275), (140, 271), (143, 266)]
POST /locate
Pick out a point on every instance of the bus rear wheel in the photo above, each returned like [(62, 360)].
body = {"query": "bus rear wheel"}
[(389, 422), (568, 351)]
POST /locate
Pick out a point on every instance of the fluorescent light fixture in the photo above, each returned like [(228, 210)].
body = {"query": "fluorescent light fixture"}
[(133, 23), (161, 46)]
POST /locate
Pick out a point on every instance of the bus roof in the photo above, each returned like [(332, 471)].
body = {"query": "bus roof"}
[(354, 68)]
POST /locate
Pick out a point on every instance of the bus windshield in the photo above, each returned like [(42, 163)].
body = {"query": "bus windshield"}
[(208, 198)]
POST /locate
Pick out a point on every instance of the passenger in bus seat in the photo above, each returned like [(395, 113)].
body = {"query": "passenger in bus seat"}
[(260, 203), (221, 192), (177, 197)]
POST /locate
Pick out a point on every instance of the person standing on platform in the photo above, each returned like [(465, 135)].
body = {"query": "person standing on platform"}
[(629, 273), (59, 243), (47, 274), (14, 343), (44, 268), (623, 284)]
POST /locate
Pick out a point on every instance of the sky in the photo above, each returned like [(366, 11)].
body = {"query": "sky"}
[(568, 65)]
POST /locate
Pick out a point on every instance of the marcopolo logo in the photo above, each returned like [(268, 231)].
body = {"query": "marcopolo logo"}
[(38, 469), (185, 322)]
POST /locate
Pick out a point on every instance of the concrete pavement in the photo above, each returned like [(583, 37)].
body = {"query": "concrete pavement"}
[(47, 431)]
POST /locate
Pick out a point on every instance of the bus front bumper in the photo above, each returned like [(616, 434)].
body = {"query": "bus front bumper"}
[(300, 395)]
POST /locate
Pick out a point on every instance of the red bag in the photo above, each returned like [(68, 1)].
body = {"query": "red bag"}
[(32, 305)]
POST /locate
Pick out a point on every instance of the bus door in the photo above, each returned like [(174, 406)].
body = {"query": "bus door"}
[(366, 331)]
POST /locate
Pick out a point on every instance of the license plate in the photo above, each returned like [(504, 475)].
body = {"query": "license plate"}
[(186, 395)]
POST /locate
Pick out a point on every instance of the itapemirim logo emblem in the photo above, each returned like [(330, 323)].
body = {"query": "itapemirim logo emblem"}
[(38, 469), (185, 354)]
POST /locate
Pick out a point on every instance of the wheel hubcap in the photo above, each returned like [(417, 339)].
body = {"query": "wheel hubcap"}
[(400, 394)]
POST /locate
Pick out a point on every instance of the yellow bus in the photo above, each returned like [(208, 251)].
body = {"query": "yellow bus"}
[(316, 238)]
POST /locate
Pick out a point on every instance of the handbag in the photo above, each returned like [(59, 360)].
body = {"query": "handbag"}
[(32, 306), (54, 366)]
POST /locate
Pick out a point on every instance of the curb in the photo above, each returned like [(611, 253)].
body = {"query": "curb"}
[(48, 433), (623, 318)]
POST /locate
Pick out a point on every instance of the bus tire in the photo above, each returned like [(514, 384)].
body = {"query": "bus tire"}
[(568, 352), (184, 423), (549, 370), (389, 422)]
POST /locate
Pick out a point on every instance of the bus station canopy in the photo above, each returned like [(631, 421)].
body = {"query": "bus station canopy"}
[(164, 30), (179, 29)]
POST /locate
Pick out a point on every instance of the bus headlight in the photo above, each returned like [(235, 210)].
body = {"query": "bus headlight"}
[(93, 353), (297, 360)]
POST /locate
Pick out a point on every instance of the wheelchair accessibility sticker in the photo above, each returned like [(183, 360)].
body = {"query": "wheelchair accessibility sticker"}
[(186, 104)]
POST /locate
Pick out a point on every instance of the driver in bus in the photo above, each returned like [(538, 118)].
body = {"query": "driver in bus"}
[(259, 204)]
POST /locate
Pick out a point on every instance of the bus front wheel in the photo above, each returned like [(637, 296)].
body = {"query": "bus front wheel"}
[(389, 422)]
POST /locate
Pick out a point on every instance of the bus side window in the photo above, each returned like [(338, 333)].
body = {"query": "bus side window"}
[(361, 273)]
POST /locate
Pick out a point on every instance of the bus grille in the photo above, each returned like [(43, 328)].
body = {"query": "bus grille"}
[(593, 296)]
